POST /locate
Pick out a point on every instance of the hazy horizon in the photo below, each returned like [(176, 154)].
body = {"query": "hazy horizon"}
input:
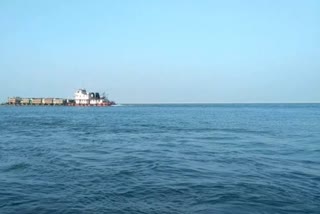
[(162, 52)]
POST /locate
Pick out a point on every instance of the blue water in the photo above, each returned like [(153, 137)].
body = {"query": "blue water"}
[(160, 159)]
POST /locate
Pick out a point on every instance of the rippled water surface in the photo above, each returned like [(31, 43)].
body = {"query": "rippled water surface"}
[(160, 159)]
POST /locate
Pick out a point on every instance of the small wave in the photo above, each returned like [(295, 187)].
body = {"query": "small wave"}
[(118, 105), (16, 167)]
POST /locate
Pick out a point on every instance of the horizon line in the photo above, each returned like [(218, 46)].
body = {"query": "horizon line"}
[(203, 103), (164, 103)]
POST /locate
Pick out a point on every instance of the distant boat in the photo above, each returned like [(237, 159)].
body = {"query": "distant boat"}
[(81, 98), (84, 98)]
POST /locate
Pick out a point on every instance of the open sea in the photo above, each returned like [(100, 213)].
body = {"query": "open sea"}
[(215, 158)]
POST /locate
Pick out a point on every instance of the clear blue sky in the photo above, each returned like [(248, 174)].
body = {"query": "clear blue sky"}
[(162, 51)]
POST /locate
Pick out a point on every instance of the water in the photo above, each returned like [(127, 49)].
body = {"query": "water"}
[(160, 159)]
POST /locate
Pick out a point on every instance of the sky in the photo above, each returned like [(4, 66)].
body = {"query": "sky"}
[(168, 51)]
